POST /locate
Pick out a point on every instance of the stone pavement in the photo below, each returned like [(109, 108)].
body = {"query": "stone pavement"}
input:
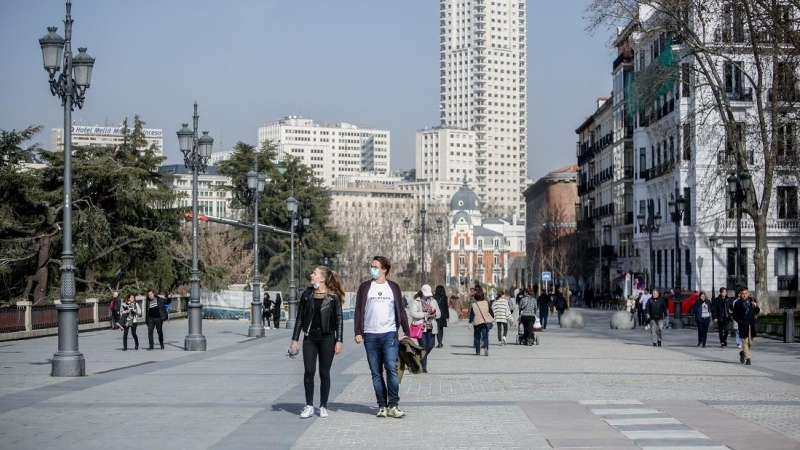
[(591, 388)]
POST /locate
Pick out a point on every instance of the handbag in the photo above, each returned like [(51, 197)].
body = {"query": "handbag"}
[(415, 330)]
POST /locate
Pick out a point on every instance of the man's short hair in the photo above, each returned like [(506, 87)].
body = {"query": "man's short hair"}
[(384, 262), (723, 289), (741, 289)]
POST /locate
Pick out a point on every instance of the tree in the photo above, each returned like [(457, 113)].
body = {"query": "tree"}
[(292, 176), (737, 62)]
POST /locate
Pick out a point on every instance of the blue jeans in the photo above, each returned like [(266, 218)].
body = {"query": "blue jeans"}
[(543, 313), (382, 352), (480, 334), (427, 342)]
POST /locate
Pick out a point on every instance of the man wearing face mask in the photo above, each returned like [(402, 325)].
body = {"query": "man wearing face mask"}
[(379, 316)]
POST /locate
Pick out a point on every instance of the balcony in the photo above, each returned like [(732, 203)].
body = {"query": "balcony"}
[(741, 94), (622, 58), (787, 283), (792, 225), (660, 170), (790, 94), (627, 173), (623, 218)]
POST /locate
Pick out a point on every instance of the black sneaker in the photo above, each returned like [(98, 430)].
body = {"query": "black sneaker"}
[(747, 362), (659, 343), (654, 344), (741, 357)]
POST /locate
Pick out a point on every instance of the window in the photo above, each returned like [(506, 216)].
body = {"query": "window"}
[(786, 262), (739, 139), (461, 243), (687, 141), (787, 202), (732, 282), (732, 24), (785, 82), (786, 145), (734, 79), (685, 80), (687, 212)]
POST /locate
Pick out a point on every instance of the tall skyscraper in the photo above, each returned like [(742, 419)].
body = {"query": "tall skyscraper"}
[(483, 86)]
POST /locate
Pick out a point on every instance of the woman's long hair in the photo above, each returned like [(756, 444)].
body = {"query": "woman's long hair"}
[(439, 293), (332, 281)]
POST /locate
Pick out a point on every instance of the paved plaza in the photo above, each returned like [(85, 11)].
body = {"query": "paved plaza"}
[(591, 388)]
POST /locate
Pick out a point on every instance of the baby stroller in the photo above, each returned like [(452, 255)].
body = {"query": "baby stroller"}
[(521, 333)]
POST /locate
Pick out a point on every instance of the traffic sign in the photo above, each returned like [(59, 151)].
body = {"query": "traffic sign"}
[(547, 276)]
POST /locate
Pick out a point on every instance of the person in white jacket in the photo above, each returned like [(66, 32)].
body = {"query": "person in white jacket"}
[(130, 311), (502, 316), (423, 311)]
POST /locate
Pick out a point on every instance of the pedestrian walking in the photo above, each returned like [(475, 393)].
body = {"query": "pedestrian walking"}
[(276, 314), (424, 312), (114, 307), (481, 319), (156, 315), (745, 313), (734, 325), (167, 305), (379, 317), (720, 316), (543, 303), (441, 299), (656, 312), (319, 317), (130, 314), (501, 311), (643, 305), (528, 308), (266, 310), (560, 303), (702, 312)]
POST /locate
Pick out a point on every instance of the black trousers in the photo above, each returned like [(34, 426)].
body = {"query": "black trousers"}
[(722, 329), (502, 330), (125, 336), (156, 323), (440, 334), (276, 318), (320, 347), (527, 326)]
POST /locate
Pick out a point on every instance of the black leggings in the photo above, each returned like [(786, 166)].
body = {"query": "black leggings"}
[(502, 330), (440, 334), (321, 346), (125, 335)]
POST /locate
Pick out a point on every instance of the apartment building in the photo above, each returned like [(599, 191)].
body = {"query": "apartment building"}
[(330, 150), (483, 88)]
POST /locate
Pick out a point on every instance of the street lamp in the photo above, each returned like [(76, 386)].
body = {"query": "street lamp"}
[(738, 185), (70, 87), (676, 208), (713, 241), (306, 219), (196, 153), (256, 184), (650, 224), (291, 206), (422, 230)]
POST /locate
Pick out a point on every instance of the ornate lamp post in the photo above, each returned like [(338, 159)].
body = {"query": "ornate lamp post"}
[(196, 153), (306, 219), (738, 185), (422, 230), (256, 183), (676, 207), (713, 242), (70, 87), (291, 206), (650, 224)]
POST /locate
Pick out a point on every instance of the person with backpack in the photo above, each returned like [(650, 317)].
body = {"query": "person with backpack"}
[(113, 311)]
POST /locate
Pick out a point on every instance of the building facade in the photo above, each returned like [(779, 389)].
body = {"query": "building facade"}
[(330, 150), (483, 88), (212, 201), (97, 136)]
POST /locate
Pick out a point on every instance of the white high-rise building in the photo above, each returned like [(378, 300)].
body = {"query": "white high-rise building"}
[(445, 154), (330, 150), (98, 136), (483, 80)]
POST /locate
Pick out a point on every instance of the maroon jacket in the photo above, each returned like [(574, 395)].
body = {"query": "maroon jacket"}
[(400, 316)]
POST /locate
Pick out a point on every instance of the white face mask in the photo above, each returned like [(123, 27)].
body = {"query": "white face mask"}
[(374, 273)]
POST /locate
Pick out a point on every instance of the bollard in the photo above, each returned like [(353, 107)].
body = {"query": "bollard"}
[(788, 326)]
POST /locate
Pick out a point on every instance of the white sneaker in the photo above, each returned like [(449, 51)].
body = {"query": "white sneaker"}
[(323, 412), (647, 327), (308, 411), (504, 340)]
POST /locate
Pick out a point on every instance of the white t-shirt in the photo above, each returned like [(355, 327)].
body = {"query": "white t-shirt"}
[(380, 313), (645, 298)]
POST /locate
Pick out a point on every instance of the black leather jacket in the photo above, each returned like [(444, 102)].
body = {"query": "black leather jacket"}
[(331, 314)]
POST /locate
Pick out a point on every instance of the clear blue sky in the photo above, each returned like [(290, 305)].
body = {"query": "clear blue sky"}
[(246, 62)]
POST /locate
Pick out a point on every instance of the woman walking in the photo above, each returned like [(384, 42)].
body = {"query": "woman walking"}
[(702, 317), (502, 314), (130, 311), (424, 310), (319, 317), (266, 310), (441, 299), (480, 316), (528, 308)]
